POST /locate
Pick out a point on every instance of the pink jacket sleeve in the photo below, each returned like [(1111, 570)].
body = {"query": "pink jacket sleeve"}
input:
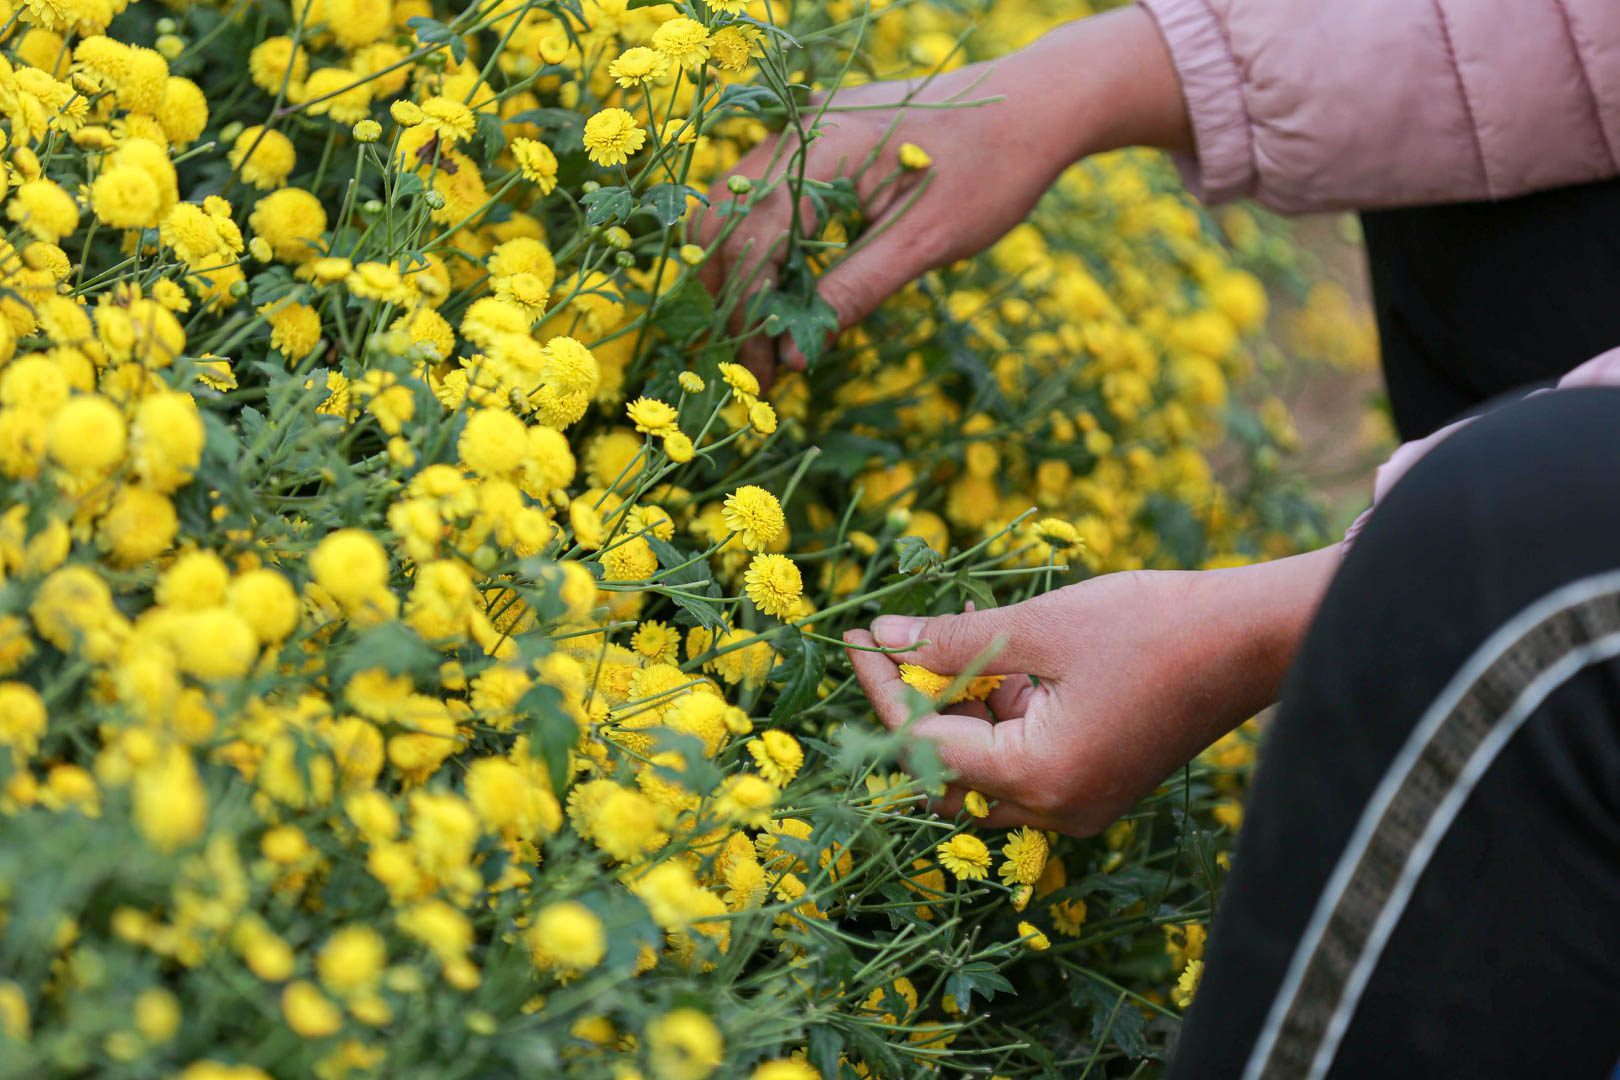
[(1331, 104)]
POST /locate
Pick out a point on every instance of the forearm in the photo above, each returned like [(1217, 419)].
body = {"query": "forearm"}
[(1254, 618)]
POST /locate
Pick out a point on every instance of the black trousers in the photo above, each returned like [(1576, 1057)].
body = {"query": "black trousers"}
[(1428, 880), (1478, 299)]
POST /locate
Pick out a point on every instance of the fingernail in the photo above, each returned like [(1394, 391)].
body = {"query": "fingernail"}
[(897, 631)]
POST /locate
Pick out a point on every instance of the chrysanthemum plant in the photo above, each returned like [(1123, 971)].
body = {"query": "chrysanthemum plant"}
[(421, 641)]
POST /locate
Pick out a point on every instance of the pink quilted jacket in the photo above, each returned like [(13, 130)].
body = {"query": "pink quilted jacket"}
[(1329, 104), (1332, 104)]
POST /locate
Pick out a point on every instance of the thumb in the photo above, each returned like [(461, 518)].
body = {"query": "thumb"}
[(1008, 640), (857, 285)]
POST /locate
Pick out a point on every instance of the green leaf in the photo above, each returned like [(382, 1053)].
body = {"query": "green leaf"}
[(391, 646), (552, 732), (691, 579), (915, 555), (976, 978), (976, 590), (608, 205), (847, 452), (802, 665), (686, 311), (492, 129), (433, 32), (272, 283), (826, 1047), (749, 99), (667, 202), (809, 320)]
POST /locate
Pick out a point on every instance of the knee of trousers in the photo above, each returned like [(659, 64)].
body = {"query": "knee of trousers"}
[(1508, 510)]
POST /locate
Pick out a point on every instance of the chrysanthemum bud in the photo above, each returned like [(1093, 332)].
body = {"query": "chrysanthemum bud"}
[(367, 131), (624, 259), (692, 255), (618, 237), (740, 185), (434, 200)]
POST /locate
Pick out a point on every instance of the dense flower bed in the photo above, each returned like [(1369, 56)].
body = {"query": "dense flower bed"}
[(420, 639)]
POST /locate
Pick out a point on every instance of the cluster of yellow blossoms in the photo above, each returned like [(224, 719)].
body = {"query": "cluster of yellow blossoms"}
[(419, 637)]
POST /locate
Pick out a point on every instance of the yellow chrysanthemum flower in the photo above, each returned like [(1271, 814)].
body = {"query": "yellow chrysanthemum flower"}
[(774, 584), (964, 856)]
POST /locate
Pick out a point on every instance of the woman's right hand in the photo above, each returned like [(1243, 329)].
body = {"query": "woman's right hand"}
[(1110, 684), (1092, 84)]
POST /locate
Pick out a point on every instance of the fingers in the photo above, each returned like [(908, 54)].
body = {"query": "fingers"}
[(1004, 813), (1011, 698), (1013, 640), (855, 286), (985, 756)]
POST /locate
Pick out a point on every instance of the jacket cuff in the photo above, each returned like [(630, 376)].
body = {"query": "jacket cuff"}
[(1212, 85)]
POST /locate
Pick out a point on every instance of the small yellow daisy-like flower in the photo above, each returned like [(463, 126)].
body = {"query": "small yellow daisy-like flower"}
[(762, 418), (1187, 985), (976, 804), (611, 136), (1068, 916), (754, 515), (1025, 852), (774, 584), (691, 382), (678, 445), (449, 119), (731, 48), (778, 756), (1059, 534), (934, 685), (537, 163), (964, 856), (929, 683), (1031, 938), (569, 935), (405, 113), (682, 41), (741, 380), (367, 131), (638, 66), (914, 157), (658, 642), (651, 416), (746, 799)]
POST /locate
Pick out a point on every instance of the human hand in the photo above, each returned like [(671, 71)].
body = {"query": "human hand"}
[(1099, 82), (1110, 685)]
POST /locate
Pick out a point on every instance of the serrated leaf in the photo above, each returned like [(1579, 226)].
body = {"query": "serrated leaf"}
[(667, 202), (608, 205), (826, 1047), (808, 320), (749, 99), (914, 555), (493, 131), (692, 579), (802, 663), (433, 32), (686, 311), (976, 978)]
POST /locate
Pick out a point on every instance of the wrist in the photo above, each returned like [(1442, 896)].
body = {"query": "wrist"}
[(1104, 82), (1263, 612)]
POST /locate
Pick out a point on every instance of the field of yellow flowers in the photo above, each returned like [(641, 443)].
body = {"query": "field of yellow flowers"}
[(419, 640)]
